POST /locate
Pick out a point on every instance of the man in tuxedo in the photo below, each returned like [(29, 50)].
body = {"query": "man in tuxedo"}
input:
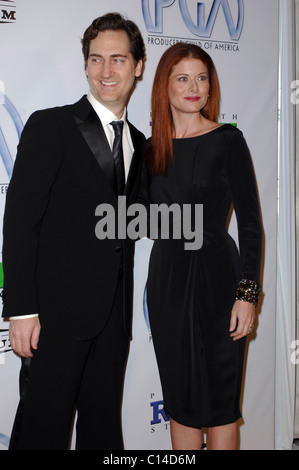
[(67, 293)]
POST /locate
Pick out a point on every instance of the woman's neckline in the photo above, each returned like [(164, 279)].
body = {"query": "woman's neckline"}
[(203, 134)]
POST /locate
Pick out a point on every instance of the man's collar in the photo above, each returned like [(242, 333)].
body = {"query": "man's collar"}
[(105, 115)]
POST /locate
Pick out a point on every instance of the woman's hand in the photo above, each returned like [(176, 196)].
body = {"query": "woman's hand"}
[(242, 319)]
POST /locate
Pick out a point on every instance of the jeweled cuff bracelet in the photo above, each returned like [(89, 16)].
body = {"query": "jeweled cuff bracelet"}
[(248, 291)]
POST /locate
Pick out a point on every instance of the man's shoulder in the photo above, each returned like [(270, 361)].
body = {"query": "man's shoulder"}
[(58, 111)]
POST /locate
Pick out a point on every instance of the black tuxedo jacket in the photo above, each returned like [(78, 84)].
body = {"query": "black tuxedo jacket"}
[(54, 265)]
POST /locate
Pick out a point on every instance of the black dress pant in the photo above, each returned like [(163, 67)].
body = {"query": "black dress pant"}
[(64, 374)]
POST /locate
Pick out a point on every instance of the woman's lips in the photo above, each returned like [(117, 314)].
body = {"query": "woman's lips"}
[(192, 98)]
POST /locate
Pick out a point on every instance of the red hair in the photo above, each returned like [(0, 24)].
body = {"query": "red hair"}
[(160, 148)]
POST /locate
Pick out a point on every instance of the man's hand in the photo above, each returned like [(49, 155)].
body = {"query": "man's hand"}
[(24, 335)]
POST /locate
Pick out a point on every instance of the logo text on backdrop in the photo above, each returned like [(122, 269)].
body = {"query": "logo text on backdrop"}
[(201, 27), (8, 11)]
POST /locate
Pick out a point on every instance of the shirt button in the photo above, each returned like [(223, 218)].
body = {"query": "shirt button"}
[(117, 249)]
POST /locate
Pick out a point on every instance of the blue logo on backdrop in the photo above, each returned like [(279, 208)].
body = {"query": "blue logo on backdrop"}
[(201, 28), (4, 440), (4, 149), (158, 412)]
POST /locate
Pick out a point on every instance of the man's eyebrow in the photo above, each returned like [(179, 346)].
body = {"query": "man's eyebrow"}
[(112, 55)]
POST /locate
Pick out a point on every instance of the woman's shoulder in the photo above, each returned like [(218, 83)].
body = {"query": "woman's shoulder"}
[(231, 133), (231, 129)]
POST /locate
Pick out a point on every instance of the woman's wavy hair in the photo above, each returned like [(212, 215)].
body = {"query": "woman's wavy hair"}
[(160, 148)]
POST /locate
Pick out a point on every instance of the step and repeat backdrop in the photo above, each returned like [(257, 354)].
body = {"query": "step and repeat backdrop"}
[(41, 65)]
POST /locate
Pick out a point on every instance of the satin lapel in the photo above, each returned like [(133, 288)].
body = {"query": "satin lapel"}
[(92, 130), (136, 160)]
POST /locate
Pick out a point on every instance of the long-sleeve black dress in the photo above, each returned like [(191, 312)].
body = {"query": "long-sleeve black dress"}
[(190, 293)]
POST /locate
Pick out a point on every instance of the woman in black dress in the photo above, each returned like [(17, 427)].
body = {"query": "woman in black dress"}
[(201, 302)]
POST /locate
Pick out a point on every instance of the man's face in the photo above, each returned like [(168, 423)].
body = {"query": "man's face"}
[(111, 69)]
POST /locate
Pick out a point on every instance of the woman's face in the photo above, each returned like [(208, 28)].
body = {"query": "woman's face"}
[(188, 86)]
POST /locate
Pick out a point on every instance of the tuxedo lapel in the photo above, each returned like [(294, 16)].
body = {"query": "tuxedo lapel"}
[(92, 130), (136, 159)]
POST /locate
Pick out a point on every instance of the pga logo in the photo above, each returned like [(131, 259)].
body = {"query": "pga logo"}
[(201, 27), (16, 121)]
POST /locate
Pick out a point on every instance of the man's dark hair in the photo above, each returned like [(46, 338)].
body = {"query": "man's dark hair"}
[(115, 22)]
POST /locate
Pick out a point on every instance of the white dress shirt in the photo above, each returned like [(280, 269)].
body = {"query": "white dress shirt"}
[(106, 116)]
